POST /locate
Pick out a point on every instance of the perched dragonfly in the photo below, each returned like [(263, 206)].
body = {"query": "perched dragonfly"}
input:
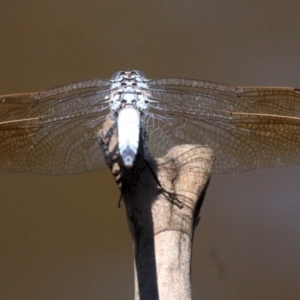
[(53, 131)]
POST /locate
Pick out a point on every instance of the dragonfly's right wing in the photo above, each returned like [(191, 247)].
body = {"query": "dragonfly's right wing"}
[(247, 127)]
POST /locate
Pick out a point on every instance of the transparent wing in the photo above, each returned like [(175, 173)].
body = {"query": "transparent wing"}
[(248, 127), (52, 132)]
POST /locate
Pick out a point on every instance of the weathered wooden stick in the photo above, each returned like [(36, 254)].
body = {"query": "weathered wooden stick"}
[(162, 219)]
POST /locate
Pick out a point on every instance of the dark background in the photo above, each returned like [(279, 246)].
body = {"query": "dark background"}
[(63, 237)]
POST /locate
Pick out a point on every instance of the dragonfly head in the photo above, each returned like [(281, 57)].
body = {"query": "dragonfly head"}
[(128, 75)]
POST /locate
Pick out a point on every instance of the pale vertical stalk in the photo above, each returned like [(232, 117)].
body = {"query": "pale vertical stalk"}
[(163, 230)]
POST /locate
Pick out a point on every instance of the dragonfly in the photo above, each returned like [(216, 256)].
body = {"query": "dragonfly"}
[(54, 131)]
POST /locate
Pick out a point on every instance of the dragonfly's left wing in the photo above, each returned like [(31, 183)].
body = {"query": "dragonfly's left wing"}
[(52, 132)]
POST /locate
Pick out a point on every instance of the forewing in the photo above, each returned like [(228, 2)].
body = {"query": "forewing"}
[(247, 127), (52, 132)]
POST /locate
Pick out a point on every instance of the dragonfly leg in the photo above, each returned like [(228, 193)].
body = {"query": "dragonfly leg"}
[(171, 196)]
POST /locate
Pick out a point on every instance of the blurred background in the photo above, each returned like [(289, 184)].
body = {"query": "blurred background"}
[(63, 237)]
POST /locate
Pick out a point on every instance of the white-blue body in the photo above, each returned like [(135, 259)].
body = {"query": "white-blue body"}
[(128, 134), (128, 101)]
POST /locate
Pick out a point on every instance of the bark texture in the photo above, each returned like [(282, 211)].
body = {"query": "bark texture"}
[(163, 197)]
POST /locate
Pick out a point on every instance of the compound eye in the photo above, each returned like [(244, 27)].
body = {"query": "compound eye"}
[(139, 74), (118, 76)]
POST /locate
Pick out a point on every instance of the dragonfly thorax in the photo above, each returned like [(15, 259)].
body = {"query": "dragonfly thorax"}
[(128, 90)]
